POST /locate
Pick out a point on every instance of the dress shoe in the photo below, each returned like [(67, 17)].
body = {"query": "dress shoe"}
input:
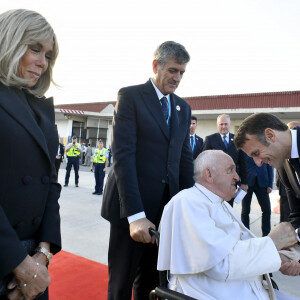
[(99, 193), (76, 185), (65, 185), (95, 193)]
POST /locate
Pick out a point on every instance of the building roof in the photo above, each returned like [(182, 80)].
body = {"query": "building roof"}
[(235, 101), (93, 106), (257, 100)]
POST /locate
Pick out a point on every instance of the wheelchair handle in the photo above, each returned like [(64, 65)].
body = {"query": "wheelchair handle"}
[(154, 232)]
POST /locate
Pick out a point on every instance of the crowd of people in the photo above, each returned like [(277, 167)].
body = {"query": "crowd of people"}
[(163, 176)]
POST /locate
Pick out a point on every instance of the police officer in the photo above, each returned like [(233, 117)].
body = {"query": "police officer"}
[(99, 164), (73, 151)]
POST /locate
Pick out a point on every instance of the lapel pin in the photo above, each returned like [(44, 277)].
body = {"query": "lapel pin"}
[(231, 140), (178, 107)]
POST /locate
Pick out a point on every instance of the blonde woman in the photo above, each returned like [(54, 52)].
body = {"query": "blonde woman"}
[(29, 192)]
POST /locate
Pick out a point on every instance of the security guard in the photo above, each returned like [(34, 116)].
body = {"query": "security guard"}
[(73, 151), (99, 163)]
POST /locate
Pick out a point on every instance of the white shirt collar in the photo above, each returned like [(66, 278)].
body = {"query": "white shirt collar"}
[(294, 152), (193, 135), (158, 92), (227, 136), (209, 194)]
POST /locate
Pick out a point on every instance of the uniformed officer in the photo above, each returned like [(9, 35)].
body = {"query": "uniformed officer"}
[(73, 151), (99, 165)]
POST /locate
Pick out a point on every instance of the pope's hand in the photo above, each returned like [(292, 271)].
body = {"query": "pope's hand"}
[(139, 231), (283, 235)]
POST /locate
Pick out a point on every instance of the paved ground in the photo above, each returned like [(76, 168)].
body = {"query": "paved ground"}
[(86, 233)]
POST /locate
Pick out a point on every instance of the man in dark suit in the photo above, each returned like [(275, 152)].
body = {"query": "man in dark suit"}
[(260, 181), (59, 157), (195, 140), (268, 140), (152, 162), (223, 140)]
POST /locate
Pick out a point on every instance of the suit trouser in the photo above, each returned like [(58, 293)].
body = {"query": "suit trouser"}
[(57, 165), (87, 160), (72, 161), (132, 264), (99, 177), (265, 205)]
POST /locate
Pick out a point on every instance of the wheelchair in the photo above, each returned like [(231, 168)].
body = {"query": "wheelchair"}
[(162, 292)]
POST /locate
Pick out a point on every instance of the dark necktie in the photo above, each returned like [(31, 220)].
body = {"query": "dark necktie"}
[(225, 141), (164, 107)]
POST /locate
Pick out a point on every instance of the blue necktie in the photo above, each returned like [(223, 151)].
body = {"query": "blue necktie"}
[(225, 141), (192, 142), (164, 107)]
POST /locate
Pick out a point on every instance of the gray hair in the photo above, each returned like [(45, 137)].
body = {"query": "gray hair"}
[(223, 115), (206, 159), (171, 50), (19, 29)]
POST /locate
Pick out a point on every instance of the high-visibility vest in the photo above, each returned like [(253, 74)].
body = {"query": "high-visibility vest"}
[(100, 156), (73, 152)]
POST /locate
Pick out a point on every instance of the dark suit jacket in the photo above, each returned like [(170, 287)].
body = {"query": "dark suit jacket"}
[(264, 174), (289, 179), (146, 154), (62, 152), (29, 190), (214, 142), (198, 146)]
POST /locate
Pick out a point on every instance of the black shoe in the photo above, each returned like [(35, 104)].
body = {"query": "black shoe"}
[(76, 185), (95, 193), (99, 193), (65, 185)]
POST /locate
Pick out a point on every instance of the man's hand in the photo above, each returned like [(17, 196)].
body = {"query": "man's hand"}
[(24, 274), (283, 236), (139, 231), (244, 187), (288, 267)]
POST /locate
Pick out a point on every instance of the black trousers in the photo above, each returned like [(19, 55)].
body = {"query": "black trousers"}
[(132, 265), (72, 161), (265, 205), (57, 165), (99, 177)]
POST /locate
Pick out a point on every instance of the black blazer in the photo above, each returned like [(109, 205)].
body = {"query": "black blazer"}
[(29, 190), (288, 177), (62, 151), (146, 154), (198, 146), (214, 142)]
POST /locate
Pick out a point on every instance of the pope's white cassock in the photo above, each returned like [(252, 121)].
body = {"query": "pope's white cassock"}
[(210, 253)]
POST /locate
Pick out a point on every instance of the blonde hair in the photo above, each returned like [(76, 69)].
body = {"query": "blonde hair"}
[(19, 29)]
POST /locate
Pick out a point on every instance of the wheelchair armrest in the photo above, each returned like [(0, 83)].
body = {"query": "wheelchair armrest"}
[(166, 293)]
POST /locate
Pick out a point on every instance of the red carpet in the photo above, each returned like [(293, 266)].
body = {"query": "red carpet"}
[(76, 278)]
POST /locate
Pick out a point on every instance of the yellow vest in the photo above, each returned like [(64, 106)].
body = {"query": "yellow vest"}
[(73, 152), (100, 157)]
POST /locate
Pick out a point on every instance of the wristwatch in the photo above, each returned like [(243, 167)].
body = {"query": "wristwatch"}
[(45, 252)]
